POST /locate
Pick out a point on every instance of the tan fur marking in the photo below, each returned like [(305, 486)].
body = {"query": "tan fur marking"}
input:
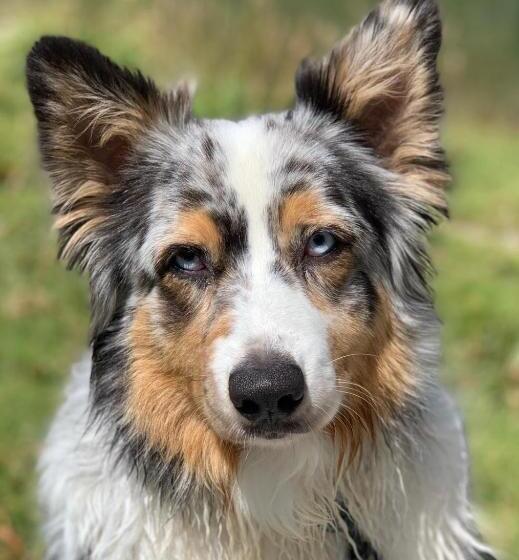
[(83, 235), (304, 208), (373, 373), (85, 193), (165, 396), (195, 227)]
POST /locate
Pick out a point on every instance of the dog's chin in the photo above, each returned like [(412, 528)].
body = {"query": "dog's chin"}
[(263, 435)]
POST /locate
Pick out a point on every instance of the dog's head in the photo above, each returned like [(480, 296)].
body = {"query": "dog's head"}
[(255, 280)]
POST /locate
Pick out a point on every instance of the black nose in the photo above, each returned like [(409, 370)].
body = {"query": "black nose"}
[(267, 387)]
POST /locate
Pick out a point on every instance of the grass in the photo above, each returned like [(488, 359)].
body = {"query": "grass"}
[(477, 258), (43, 309)]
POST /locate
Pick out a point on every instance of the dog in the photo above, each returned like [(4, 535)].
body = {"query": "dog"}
[(262, 381)]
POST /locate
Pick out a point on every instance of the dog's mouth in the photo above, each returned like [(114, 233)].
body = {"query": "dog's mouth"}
[(275, 430)]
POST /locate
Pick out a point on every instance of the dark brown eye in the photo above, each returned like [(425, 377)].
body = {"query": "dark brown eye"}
[(320, 244), (188, 259)]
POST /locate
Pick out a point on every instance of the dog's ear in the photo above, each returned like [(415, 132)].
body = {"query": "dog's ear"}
[(91, 114), (382, 78)]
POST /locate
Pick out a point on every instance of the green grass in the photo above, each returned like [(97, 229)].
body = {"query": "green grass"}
[(485, 176), (42, 327), (477, 258), (43, 309)]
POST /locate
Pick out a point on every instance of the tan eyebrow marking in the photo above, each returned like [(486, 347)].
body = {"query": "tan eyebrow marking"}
[(195, 227), (305, 208), (302, 207)]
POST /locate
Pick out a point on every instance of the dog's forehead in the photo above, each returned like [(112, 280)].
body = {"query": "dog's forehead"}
[(259, 168), (242, 172), (234, 170), (259, 159)]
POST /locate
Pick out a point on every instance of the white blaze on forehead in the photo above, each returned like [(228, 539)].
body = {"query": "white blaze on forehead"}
[(249, 152)]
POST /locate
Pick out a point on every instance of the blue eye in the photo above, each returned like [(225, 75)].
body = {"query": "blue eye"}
[(188, 260), (320, 243)]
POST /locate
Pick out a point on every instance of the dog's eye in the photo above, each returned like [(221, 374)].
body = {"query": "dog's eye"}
[(188, 259), (320, 244)]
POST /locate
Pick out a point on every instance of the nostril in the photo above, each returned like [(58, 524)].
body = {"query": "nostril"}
[(288, 403), (248, 408)]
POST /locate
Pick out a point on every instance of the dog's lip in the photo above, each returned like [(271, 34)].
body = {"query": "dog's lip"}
[(271, 431)]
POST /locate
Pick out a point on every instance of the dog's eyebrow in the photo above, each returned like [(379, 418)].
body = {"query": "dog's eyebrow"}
[(304, 206), (194, 227), (194, 198)]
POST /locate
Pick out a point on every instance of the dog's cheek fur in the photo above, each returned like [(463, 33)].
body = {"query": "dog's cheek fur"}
[(372, 362), (367, 346), (165, 393)]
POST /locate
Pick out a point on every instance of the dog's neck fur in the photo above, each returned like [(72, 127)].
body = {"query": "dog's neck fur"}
[(406, 495)]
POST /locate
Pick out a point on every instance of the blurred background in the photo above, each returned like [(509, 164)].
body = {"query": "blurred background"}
[(244, 54)]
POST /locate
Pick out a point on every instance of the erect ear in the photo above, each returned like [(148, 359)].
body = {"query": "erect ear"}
[(382, 78), (91, 114)]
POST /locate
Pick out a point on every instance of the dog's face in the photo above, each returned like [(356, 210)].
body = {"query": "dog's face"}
[(252, 280), (256, 247)]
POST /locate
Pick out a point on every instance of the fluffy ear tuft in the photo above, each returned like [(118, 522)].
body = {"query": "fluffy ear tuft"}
[(91, 114), (382, 78), (102, 98)]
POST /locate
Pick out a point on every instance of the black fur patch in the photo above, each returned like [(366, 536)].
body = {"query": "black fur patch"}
[(363, 548)]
